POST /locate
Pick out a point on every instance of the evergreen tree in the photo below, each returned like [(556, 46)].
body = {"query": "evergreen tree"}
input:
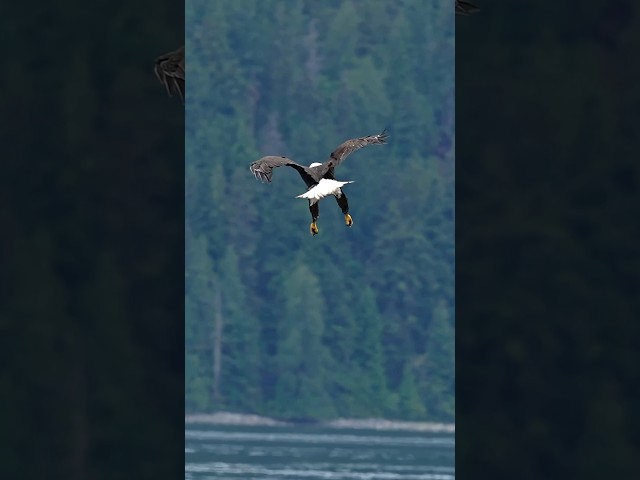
[(371, 391), (240, 366), (301, 356), (409, 402), (436, 381), (200, 285)]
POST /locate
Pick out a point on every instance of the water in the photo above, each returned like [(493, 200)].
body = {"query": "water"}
[(307, 453)]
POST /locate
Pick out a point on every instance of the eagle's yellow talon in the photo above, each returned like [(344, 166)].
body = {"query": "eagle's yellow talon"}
[(348, 220), (314, 228)]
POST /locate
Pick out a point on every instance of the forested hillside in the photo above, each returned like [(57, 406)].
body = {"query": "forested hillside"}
[(354, 321)]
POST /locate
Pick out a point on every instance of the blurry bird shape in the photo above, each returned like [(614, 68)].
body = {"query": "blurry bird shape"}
[(465, 8), (169, 68)]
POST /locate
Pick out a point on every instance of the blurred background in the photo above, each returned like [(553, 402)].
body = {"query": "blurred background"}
[(547, 112), (355, 322), (91, 245)]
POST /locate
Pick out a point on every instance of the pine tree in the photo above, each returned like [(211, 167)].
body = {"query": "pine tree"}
[(371, 392), (241, 351), (200, 283), (301, 356), (437, 374), (410, 404)]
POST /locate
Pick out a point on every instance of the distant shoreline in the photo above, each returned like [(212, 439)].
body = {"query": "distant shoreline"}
[(227, 418)]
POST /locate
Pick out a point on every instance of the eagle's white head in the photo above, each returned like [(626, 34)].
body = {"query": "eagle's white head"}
[(315, 164)]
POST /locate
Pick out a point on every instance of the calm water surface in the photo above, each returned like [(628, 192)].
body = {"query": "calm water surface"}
[(252, 453)]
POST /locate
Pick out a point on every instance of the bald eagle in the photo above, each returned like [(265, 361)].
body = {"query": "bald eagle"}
[(319, 177), (169, 68), (465, 8)]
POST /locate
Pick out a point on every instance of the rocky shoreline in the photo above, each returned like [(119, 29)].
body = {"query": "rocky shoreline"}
[(228, 418)]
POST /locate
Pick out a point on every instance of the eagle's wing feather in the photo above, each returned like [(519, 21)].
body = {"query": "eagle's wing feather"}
[(350, 146), (263, 169), (465, 8), (169, 69)]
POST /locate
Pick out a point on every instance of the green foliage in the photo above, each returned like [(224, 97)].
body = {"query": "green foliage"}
[(301, 354), (409, 400), (349, 322), (240, 377), (439, 363)]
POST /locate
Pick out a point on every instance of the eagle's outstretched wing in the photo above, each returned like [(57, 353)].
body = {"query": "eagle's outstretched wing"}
[(350, 146), (465, 8), (263, 169), (169, 69)]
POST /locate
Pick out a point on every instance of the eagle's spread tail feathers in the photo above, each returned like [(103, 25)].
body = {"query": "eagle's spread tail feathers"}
[(323, 189)]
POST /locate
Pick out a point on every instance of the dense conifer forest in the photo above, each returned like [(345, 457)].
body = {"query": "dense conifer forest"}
[(354, 321)]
